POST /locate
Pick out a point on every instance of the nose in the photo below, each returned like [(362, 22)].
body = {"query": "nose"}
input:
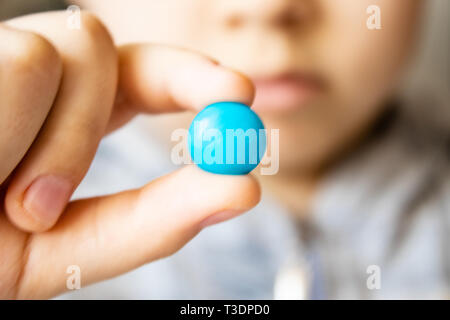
[(286, 14), (261, 38)]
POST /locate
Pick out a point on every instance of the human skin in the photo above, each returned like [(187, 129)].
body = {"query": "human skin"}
[(358, 68), (61, 85), (279, 43), (83, 87)]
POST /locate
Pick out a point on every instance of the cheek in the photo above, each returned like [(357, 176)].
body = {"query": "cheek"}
[(362, 67), (175, 22), (364, 64)]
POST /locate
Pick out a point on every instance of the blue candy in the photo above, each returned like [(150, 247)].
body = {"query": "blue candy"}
[(227, 138)]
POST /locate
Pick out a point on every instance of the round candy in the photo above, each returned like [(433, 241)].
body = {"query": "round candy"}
[(227, 138)]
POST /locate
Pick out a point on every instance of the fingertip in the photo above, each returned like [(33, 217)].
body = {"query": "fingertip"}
[(204, 81), (231, 192), (157, 78), (244, 87), (23, 219), (233, 86), (253, 189), (38, 208), (238, 194)]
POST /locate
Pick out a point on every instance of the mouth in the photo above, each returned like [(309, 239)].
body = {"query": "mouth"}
[(286, 92)]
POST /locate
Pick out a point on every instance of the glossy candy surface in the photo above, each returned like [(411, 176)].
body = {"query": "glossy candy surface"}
[(227, 138)]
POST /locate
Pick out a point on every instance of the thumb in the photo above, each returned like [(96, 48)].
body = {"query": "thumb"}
[(110, 235)]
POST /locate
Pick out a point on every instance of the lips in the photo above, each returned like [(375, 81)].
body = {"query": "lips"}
[(286, 92)]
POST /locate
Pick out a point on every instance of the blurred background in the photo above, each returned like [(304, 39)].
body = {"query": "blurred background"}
[(429, 78), (426, 84)]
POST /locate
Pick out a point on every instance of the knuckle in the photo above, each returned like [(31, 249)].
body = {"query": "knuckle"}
[(91, 44), (33, 55), (95, 35), (91, 22)]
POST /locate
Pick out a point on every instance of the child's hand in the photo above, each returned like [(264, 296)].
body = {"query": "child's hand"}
[(61, 90)]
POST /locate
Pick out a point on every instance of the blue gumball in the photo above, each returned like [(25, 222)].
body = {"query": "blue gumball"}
[(227, 138)]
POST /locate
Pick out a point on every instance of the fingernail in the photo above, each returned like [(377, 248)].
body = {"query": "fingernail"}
[(219, 217), (46, 198)]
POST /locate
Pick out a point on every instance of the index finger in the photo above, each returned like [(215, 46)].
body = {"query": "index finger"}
[(156, 79)]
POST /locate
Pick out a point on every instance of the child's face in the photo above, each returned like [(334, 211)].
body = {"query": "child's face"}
[(321, 75)]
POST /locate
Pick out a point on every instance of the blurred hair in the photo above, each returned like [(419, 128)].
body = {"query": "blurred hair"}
[(426, 88)]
